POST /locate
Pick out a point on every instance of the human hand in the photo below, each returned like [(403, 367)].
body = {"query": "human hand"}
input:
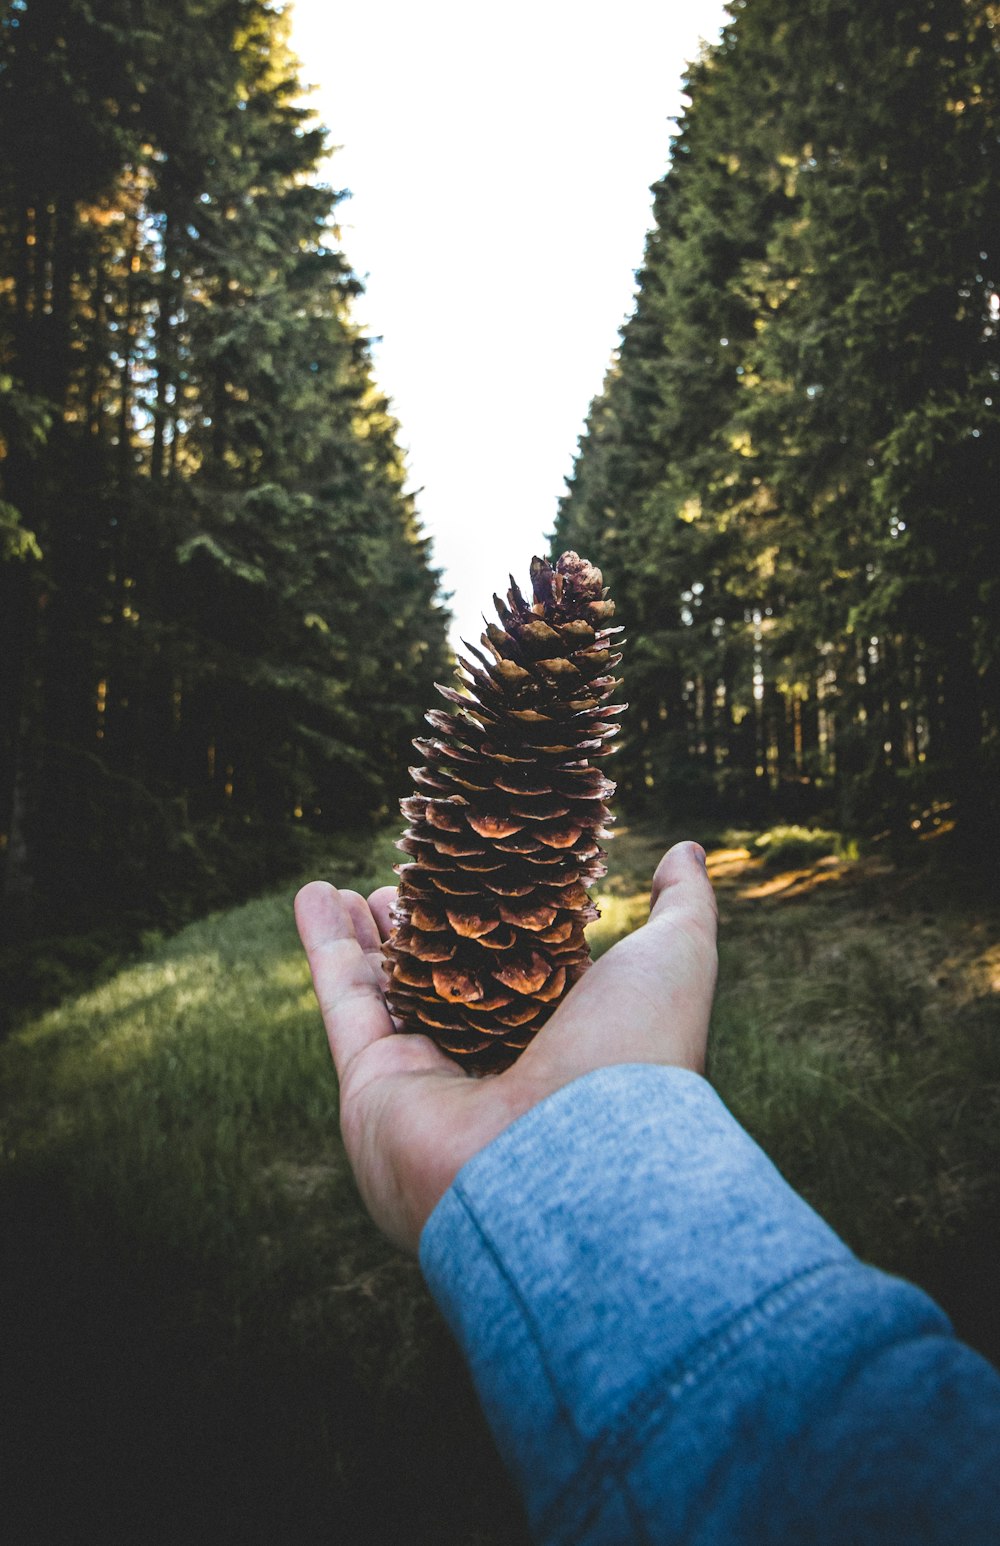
[(410, 1116)]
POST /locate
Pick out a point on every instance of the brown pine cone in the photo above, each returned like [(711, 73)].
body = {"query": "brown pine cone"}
[(489, 922)]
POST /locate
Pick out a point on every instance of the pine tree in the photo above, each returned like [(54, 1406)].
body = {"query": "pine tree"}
[(792, 457), (186, 688)]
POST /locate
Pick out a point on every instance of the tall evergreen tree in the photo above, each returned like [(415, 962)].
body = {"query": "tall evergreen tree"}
[(800, 420), (217, 600)]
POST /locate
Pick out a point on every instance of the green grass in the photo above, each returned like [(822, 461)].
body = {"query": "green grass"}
[(212, 1341), (206, 1340), (876, 1096)]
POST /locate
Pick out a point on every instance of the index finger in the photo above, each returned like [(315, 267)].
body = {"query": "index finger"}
[(347, 988)]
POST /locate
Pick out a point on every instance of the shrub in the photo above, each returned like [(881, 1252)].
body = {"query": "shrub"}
[(787, 848)]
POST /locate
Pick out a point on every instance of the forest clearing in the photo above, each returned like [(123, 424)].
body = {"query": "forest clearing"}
[(213, 1338)]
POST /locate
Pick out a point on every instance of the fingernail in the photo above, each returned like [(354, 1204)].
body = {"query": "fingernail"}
[(700, 856)]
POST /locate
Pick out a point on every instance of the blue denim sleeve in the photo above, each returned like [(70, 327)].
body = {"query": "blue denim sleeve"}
[(671, 1346)]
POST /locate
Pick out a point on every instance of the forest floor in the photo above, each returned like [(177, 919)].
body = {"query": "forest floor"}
[(208, 1342)]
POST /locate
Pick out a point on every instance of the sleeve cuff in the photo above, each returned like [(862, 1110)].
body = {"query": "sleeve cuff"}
[(601, 1262)]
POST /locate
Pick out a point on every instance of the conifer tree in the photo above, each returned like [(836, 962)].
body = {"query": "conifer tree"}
[(193, 675), (797, 440)]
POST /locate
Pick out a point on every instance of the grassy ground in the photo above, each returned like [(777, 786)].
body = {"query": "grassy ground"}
[(207, 1341)]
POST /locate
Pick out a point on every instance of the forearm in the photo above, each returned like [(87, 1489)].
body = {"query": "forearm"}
[(670, 1345)]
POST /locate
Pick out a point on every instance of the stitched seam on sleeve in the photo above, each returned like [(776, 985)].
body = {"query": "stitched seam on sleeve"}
[(611, 1453), (864, 1364), (584, 1450)]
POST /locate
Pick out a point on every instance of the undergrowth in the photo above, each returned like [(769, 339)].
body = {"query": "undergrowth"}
[(785, 847)]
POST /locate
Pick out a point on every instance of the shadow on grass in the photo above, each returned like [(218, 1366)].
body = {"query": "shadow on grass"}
[(145, 1401), (205, 1340)]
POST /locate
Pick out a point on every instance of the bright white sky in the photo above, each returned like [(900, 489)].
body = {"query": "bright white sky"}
[(499, 160)]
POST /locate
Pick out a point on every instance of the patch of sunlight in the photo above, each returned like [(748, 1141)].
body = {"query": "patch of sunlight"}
[(986, 969), (288, 1007), (133, 1037), (792, 882), (723, 862), (289, 972), (620, 915), (121, 1048), (133, 990), (940, 830)]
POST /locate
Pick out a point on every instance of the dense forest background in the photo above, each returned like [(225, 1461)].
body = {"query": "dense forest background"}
[(219, 622), (792, 475)]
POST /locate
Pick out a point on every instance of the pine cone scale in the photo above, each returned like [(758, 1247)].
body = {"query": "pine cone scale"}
[(505, 825)]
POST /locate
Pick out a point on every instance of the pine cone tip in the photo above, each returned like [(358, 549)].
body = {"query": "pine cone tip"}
[(571, 579)]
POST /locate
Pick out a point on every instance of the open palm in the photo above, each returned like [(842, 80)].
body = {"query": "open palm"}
[(411, 1117)]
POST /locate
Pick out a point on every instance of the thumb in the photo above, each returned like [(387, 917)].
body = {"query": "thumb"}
[(681, 888), (648, 999)]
